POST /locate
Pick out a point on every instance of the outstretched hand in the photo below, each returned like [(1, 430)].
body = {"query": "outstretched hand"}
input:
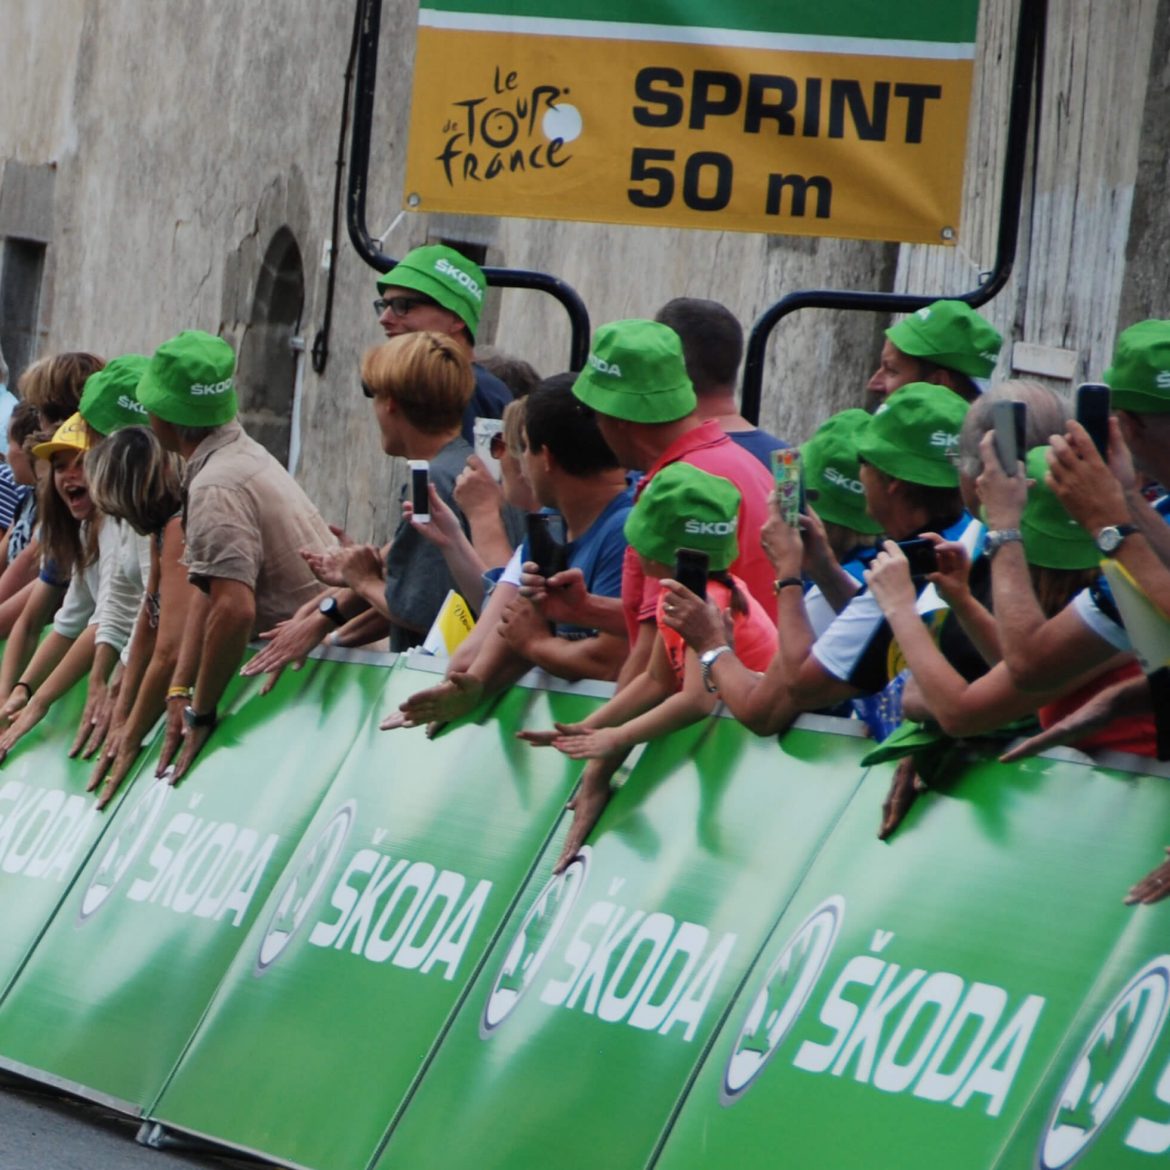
[(456, 695), (905, 788), (1153, 887)]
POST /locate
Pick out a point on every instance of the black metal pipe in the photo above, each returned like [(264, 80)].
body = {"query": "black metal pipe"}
[(1029, 46), (370, 250)]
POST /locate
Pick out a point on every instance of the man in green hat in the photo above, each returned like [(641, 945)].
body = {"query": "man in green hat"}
[(247, 521), (946, 343), (435, 289)]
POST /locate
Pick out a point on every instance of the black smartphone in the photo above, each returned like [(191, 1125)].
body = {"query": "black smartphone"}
[(1092, 412), (1009, 420), (921, 554), (690, 569), (545, 543), (420, 493)]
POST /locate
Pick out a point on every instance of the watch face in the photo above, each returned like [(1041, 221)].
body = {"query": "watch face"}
[(1108, 539)]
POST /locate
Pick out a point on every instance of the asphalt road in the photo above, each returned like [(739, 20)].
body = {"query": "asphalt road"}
[(41, 1130)]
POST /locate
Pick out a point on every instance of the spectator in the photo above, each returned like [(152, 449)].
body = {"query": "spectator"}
[(946, 343), (21, 534), (8, 400), (576, 475), (246, 520), (419, 384), (135, 481), (1062, 560), (520, 377), (712, 342), (911, 487), (494, 511), (98, 621), (435, 289), (54, 385), (681, 507), (9, 486)]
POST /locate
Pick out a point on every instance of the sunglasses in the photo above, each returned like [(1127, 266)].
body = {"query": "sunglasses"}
[(496, 446), (399, 306)]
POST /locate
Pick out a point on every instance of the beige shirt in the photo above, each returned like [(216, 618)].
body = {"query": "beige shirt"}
[(247, 520)]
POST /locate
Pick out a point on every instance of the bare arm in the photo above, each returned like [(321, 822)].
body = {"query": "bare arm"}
[(38, 609)]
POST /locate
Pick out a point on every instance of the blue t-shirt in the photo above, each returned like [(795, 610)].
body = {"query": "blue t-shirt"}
[(487, 400), (598, 552), (758, 443)]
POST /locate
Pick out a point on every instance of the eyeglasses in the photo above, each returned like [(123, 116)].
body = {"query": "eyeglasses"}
[(399, 306), (497, 446)]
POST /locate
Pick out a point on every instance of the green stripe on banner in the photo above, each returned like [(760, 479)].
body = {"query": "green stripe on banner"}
[(952, 22)]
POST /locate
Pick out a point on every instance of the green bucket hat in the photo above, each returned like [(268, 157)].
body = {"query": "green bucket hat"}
[(189, 381), (444, 275), (1140, 374), (831, 471), (683, 507), (636, 372), (1052, 538), (108, 402), (914, 435), (950, 334)]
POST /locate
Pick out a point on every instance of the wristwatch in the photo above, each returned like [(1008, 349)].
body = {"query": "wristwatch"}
[(332, 610), (1109, 539), (194, 719), (707, 660), (998, 537)]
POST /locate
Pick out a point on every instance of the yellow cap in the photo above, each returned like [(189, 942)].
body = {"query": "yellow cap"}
[(71, 435)]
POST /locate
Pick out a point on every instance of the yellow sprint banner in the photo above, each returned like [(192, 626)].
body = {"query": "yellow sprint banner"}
[(847, 120)]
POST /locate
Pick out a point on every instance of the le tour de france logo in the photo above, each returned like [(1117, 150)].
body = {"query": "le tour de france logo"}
[(130, 835), (304, 886), (1106, 1070), (533, 941), (512, 125), (785, 992)]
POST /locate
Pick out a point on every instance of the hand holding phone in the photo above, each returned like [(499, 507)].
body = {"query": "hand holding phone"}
[(420, 490), (787, 471), (545, 546), (1092, 412), (921, 555), (1010, 423), (690, 569)]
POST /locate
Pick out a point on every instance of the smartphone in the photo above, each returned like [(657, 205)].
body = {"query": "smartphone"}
[(546, 544), (1092, 412), (489, 444), (1010, 423), (690, 569), (420, 494), (786, 470), (922, 556)]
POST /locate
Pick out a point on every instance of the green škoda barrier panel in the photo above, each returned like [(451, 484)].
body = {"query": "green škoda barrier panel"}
[(1105, 1101), (593, 1009), (914, 994), (116, 986), (48, 827), (361, 954)]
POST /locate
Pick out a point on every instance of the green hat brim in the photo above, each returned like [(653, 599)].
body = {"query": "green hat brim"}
[(664, 405)]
